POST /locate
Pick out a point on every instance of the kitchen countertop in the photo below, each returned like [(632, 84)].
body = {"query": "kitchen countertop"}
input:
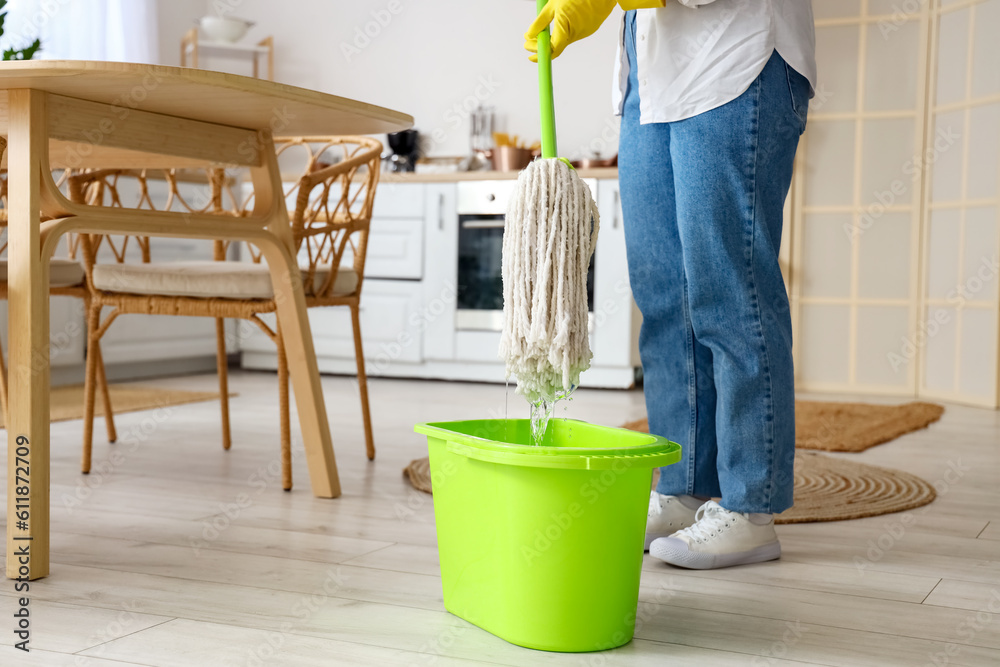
[(452, 177)]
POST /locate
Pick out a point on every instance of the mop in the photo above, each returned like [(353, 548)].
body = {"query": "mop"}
[(549, 236)]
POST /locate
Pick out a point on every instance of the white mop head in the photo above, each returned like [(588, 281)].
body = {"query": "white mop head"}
[(549, 237)]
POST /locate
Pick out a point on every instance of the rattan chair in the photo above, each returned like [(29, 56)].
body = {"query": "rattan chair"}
[(332, 213), (330, 209), (66, 278)]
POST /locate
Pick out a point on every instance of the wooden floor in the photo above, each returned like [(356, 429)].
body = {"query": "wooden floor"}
[(173, 552)]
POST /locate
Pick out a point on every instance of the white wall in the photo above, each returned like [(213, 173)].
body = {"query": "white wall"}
[(430, 60), (174, 18)]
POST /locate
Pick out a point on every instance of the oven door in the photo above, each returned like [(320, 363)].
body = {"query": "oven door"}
[(480, 278), (480, 281), (481, 207)]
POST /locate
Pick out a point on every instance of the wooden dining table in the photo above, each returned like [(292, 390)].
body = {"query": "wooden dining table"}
[(77, 114)]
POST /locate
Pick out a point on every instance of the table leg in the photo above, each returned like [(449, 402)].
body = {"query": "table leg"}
[(28, 329), (294, 322), (297, 337)]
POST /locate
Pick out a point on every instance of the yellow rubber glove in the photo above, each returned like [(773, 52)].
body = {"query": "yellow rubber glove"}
[(571, 20), (576, 19)]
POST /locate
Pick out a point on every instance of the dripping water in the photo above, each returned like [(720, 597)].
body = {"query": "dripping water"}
[(506, 418), (541, 411)]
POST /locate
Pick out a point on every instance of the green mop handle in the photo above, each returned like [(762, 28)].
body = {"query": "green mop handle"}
[(545, 102)]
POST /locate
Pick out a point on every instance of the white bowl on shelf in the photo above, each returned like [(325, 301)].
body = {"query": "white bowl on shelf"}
[(224, 29)]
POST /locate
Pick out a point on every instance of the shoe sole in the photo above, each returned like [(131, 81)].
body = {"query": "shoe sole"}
[(697, 561)]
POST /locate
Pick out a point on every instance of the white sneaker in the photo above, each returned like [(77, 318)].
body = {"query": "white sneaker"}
[(719, 538), (667, 515)]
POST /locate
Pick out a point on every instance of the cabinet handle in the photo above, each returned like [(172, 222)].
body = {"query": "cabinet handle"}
[(614, 212), (441, 212)]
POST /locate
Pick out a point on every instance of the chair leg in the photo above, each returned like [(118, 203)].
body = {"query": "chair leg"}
[(283, 404), (3, 388), (222, 362), (102, 379), (89, 382), (362, 381)]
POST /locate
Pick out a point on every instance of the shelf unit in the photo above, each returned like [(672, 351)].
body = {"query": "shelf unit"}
[(192, 47)]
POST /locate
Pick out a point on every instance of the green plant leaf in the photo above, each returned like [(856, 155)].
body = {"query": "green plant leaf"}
[(27, 53)]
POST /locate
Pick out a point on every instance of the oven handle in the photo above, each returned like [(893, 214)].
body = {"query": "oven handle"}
[(482, 224)]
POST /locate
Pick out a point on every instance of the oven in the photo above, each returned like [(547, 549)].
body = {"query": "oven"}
[(481, 206)]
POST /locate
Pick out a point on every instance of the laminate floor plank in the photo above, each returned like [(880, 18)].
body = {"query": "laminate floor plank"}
[(66, 628), (970, 595), (228, 536)]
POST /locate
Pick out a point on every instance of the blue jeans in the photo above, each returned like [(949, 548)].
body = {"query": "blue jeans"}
[(702, 200)]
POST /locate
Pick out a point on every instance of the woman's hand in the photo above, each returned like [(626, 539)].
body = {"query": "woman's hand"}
[(571, 20)]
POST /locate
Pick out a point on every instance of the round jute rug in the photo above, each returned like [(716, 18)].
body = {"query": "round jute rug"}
[(834, 489), (848, 427), (826, 489), (419, 474)]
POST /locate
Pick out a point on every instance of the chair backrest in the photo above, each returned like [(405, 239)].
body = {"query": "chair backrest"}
[(330, 200), (142, 189)]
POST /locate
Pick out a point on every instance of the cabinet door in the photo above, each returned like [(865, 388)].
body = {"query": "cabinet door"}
[(615, 315), (399, 200), (392, 327), (396, 239), (395, 249), (440, 280)]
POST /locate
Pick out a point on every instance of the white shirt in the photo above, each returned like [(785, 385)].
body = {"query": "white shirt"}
[(696, 55)]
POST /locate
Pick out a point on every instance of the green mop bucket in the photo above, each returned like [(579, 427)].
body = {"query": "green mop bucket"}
[(542, 545)]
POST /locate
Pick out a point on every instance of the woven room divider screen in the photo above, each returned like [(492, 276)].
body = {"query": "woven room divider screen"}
[(892, 249)]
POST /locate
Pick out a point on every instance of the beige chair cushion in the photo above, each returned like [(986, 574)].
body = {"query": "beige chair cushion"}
[(62, 272), (205, 280)]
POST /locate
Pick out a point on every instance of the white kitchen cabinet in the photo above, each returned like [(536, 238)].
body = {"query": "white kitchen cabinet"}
[(396, 236), (616, 318), (400, 200), (477, 346), (390, 311), (441, 259), (395, 249), (392, 323)]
